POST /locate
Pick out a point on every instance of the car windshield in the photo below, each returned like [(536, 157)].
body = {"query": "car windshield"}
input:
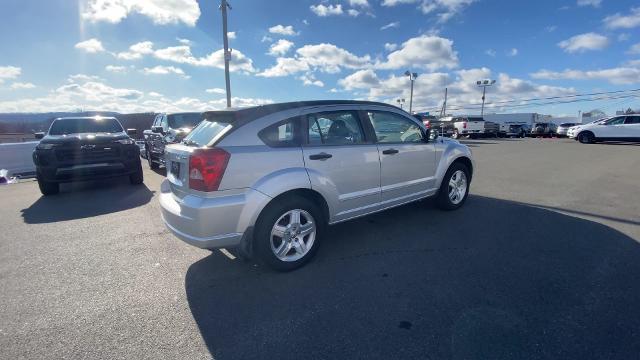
[(186, 120), (85, 125)]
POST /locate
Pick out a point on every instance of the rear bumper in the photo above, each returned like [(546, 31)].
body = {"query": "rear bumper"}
[(210, 223)]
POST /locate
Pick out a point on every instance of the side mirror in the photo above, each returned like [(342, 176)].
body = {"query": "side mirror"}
[(39, 135), (157, 129), (132, 132)]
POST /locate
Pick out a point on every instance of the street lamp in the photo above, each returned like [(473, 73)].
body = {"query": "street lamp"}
[(400, 102), (227, 53), (412, 77), (484, 83)]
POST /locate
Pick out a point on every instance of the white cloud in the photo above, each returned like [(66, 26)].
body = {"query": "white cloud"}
[(280, 47), (182, 55), (266, 38), (285, 67), (159, 11), (309, 79), (84, 92), (9, 72), (116, 69), (91, 46), (138, 50), (390, 25), (490, 52), (618, 21), (551, 28), (584, 42), (353, 12), (594, 3), (634, 49), (423, 52), (216, 91), (330, 58), (22, 85), (184, 41), (231, 35), (445, 9), (625, 75), (283, 30), (623, 37), (164, 70), (390, 46), (361, 79), (361, 3), (512, 52), (326, 10)]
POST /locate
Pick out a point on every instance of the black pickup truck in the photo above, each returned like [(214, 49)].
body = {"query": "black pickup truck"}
[(167, 129), (85, 148)]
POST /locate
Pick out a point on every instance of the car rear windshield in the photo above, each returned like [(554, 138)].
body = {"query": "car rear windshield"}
[(187, 120), (209, 129), (77, 126)]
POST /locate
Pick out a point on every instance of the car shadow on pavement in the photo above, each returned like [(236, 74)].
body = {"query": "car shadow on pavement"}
[(493, 280), (87, 199)]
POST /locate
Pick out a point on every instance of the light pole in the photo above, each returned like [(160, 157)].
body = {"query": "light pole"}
[(412, 77), (227, 54), (400, 102), (484, 83)]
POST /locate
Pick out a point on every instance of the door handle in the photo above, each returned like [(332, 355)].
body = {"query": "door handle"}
[(321, 156), (390, 152)]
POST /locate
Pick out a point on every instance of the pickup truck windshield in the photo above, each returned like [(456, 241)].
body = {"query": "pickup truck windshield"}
[(92, 125), (188, 120)]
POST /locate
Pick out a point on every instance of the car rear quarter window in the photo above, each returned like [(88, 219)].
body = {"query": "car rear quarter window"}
[(632, 120), (281, 134)]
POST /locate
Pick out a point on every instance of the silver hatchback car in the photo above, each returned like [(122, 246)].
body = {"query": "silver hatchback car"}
[(268, 180)]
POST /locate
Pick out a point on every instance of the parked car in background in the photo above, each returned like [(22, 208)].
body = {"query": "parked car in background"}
[(564, 128), (572, 132), (268, 179), (85, 148), (491, 129), (617, 128), (167, 129), (514, 130), (543, 129)]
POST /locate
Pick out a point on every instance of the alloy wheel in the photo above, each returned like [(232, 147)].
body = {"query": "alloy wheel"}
[(457, 187), (293, 235)]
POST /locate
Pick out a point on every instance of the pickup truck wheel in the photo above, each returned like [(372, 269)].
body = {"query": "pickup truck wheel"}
[(287, 233), (456, 134), (455, 187), (48, 188), (137, 177), (153, 165)]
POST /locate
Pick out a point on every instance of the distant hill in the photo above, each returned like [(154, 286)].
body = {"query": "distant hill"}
[(29, 123)]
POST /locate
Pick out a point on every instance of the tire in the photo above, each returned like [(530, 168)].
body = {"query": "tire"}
[(293, 255), (48, 188), (153, 165), (456, 134), (586, 138), (444, 200), (137, 177)]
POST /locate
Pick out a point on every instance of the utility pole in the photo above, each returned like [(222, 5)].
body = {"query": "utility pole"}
[(443, 112), (227, 54)]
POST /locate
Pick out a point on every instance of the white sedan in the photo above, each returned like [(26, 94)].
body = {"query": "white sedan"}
[(620, 128)]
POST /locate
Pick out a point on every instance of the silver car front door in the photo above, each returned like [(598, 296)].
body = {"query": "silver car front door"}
[(342, 163), (408, 162)]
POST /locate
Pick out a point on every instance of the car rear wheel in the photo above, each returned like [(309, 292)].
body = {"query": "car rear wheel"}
[(586, 138), (153, 165), (288, 233), (48, 188), (454, 188)]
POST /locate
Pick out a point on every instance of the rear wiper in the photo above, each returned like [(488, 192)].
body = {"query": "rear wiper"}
[(189, 142)]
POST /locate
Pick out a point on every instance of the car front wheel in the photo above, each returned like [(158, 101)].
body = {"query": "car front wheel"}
[(48, 188), (586, 138), (454, 188), (153, 165)]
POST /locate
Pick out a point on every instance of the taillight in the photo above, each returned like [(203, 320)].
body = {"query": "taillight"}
[(426, 123), (206, 168), (464, 125)]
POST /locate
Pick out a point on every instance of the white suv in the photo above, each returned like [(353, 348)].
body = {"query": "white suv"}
[(618, 128), (268, 179)]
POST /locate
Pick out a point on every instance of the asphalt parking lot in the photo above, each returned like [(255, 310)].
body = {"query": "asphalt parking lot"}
[(542, 262)]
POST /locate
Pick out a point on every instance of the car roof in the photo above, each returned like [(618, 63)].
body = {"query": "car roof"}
[(85, 118)]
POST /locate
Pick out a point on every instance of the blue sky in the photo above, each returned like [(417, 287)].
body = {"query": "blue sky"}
[(165, 55)]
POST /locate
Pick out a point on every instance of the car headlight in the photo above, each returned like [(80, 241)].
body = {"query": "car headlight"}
[(126, 141), (45, 146)]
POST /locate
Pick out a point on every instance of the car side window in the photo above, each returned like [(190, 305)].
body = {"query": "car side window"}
[(164, 122), (156, 121), (393, 128), (616, 121), (282, 134), (632, 120), (334, 128)]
